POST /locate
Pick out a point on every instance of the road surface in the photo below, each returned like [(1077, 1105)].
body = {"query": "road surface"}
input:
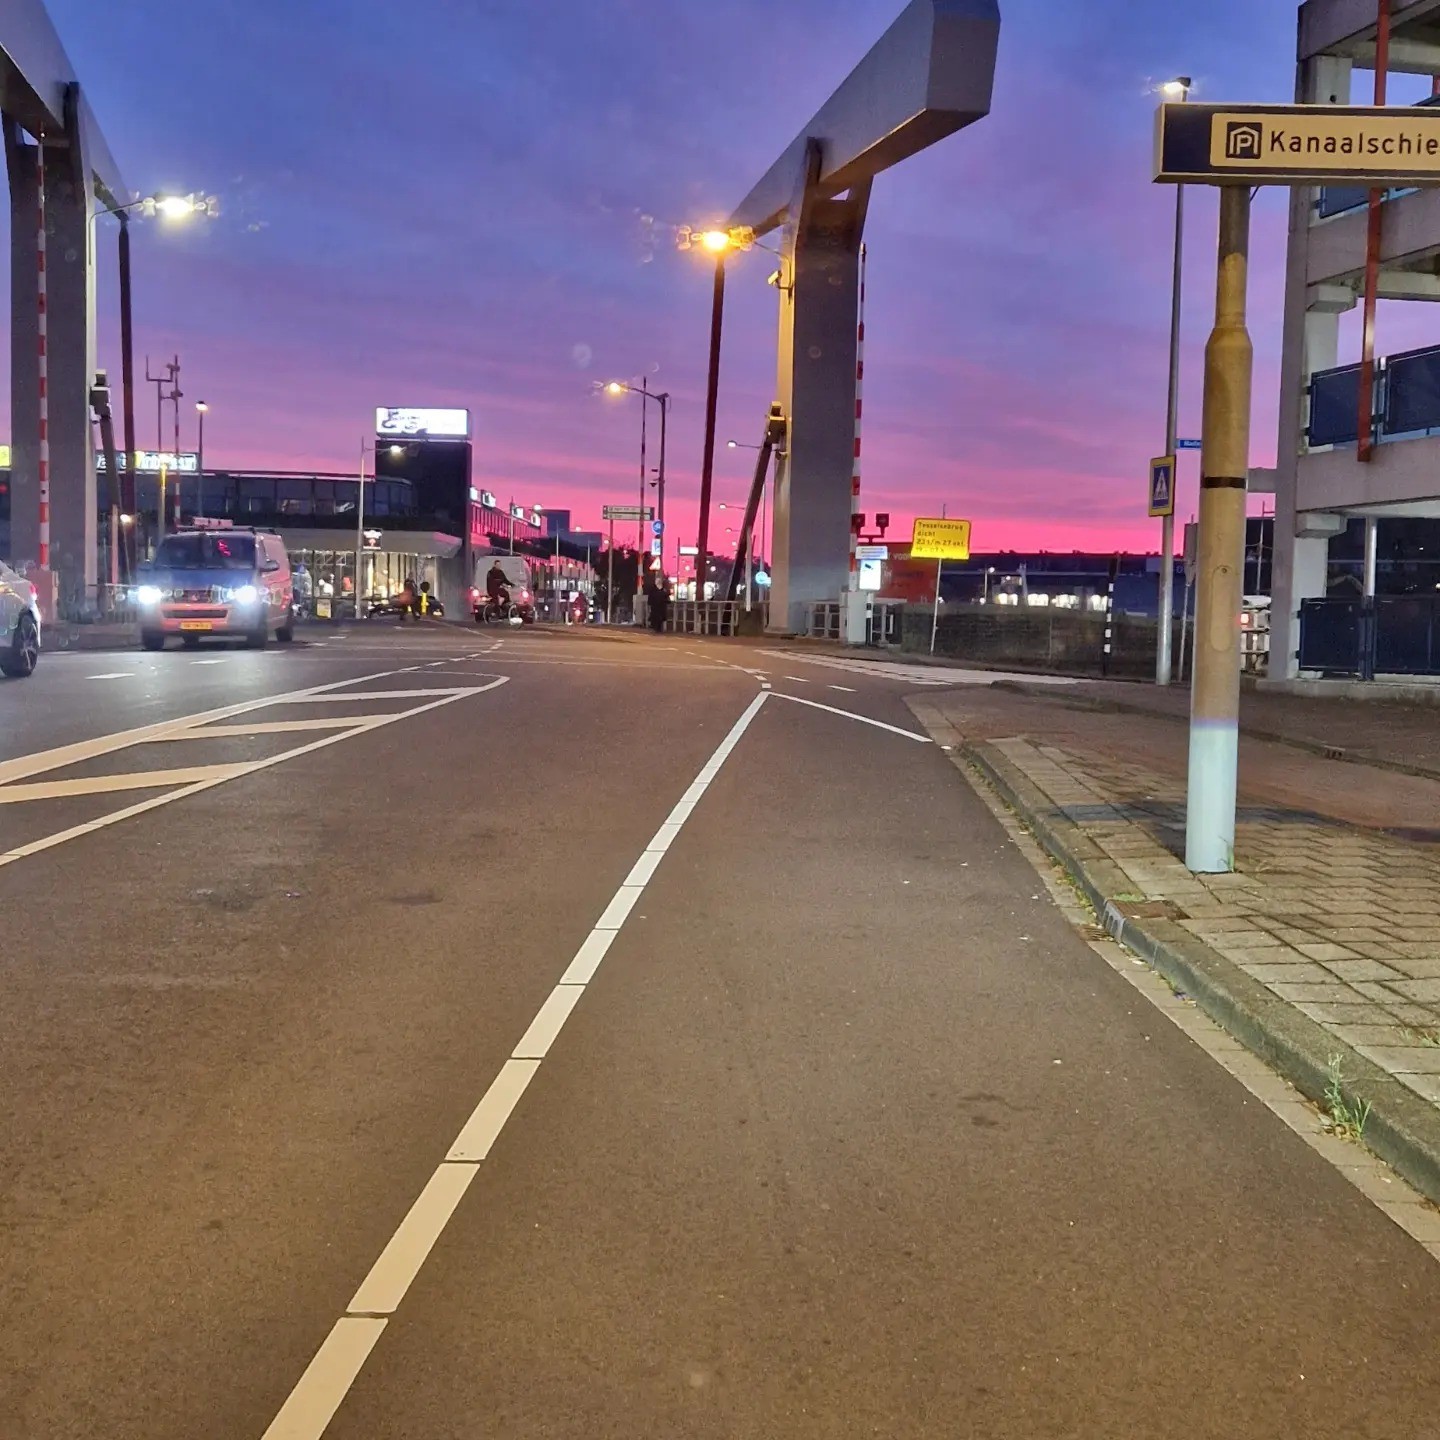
[(448, 1034)]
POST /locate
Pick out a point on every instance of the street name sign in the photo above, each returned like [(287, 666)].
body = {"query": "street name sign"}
[(1188, 445), (628, 512), (1162, 486), (940, 540), (1378, 145)]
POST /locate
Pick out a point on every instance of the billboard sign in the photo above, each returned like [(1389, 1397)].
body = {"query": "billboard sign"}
[(398, 423), (1381, 145)]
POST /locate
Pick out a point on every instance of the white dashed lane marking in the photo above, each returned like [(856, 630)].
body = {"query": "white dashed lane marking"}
[(326, 1381)]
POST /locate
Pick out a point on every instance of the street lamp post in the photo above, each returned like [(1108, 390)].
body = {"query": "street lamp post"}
[(201, 410), (366, 447), (124, 482), (717, 242), (171, 207), (662, 399), (1177, 89)]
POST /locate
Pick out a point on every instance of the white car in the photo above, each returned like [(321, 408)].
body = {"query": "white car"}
[(19, 624)]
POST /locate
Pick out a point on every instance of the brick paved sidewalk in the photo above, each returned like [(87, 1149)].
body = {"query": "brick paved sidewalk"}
[(1341, 922)]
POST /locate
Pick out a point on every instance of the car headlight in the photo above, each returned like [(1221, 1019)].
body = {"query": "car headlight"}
[(149, 595), (243, 594)]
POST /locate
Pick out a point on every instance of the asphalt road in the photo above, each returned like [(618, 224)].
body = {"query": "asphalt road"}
[(807, 1113)]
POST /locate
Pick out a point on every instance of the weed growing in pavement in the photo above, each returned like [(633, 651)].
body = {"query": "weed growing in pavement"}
[(1345, 1119), (1425, 1037)]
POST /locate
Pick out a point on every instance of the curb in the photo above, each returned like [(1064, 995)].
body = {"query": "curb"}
[(1255, 732), (1403, 1130)]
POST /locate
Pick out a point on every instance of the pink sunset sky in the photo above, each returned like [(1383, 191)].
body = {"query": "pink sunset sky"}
[(459, 205)]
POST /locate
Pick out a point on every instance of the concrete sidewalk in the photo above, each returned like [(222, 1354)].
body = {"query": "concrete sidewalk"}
[(1321, 951)]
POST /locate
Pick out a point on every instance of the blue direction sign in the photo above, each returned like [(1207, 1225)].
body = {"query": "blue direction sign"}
[(1188, 445), (1162, 485)]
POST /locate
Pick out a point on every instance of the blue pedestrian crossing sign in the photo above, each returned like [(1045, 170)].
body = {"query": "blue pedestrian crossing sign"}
[(1162, 485)]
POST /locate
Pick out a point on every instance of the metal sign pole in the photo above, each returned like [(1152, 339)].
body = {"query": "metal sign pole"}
[(939, 566), (610, 578)]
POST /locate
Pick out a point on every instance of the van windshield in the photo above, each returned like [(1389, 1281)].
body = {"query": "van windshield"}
[(206, 552)]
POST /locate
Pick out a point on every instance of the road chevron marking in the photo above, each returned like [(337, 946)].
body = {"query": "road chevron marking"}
[(20, 790), (321, 1390), (23, 766), (363, 727)]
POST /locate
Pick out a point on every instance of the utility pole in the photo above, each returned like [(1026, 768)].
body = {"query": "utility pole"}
[(172, 377), (175, 396), (1180, 87), (1224, 468)]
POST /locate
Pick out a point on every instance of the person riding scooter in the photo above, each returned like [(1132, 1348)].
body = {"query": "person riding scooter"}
[(497, 586)]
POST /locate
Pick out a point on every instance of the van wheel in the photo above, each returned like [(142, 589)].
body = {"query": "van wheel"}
[(286, 633), (152, 639), (258, 639)]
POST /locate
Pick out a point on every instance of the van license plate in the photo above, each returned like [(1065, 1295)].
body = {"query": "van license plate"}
[(195, 624)]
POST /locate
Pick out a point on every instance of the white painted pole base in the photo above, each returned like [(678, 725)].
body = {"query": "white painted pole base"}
[(1210, 798), (857, 608)]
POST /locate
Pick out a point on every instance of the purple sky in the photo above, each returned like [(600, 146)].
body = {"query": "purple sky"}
[(445, 203)]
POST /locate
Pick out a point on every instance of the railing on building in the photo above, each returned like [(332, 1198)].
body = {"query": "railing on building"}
[(1405, 404), (1386, 635)]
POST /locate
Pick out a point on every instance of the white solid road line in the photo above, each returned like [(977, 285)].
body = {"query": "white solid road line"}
[(851, 715), (113, 675), (321, 1389)]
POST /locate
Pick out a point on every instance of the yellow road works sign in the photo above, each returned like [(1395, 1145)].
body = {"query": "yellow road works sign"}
[(940, 540)]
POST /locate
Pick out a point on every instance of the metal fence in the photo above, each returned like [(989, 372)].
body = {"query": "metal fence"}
[(1038, 638)]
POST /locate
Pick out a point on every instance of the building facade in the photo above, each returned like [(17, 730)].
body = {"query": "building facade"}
[(1355, 455)]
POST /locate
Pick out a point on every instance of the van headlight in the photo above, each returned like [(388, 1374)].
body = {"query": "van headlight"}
[(149, 595), (243, 594)]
